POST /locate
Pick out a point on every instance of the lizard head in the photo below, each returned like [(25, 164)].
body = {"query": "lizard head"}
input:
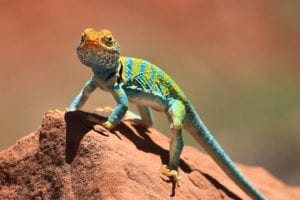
[(98, 49)]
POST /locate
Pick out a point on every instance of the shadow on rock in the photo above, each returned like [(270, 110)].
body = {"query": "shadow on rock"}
[(77, 125)]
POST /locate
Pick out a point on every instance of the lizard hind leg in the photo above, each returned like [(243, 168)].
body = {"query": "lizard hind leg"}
[(176, 114), (146, 116)]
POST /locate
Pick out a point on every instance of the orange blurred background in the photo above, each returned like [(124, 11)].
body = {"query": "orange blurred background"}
[(238, 61)]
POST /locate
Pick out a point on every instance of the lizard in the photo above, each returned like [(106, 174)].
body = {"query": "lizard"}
[(144, 84)]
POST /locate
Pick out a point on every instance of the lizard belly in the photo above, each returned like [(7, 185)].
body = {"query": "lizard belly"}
[(156, 102)]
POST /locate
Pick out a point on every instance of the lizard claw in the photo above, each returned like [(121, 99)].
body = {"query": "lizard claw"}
[(170, 173), (108, 125)]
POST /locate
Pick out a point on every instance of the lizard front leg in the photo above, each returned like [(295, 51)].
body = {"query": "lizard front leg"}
[(120, 110), (81, 98), (83, 95), (176, 114)]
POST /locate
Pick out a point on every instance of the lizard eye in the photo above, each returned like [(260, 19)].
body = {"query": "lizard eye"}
[(108, 40)]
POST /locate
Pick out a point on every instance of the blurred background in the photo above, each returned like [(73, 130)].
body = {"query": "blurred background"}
[(237, 61)]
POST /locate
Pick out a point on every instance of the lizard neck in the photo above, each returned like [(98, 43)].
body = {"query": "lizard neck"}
[(108, 73)]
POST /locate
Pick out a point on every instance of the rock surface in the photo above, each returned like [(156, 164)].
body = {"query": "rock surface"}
[(66, 159)]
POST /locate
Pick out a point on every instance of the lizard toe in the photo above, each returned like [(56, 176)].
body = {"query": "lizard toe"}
[(170, 173)]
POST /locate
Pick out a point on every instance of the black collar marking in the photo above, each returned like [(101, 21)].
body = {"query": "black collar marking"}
[(118, 74), (119, 79)]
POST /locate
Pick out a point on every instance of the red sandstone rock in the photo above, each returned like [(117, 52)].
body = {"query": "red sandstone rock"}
[(70, 161)]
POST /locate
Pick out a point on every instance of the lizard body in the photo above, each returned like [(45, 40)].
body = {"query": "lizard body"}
[(149, 87)]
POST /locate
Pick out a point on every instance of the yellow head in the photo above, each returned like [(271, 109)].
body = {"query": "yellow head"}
[(98, 49)]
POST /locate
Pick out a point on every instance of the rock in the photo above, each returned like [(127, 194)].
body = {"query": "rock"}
[(66, 159)]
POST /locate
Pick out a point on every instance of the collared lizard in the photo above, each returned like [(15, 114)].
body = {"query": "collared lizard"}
[(149, 87)]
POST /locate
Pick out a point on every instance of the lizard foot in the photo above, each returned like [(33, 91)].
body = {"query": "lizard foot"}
[(170, 173)]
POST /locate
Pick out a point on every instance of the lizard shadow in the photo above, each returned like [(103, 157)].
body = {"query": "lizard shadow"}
[(78, 124), (75, 131), (220, 186)]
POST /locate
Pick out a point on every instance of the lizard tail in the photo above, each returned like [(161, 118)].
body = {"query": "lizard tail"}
[(203, 136)]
